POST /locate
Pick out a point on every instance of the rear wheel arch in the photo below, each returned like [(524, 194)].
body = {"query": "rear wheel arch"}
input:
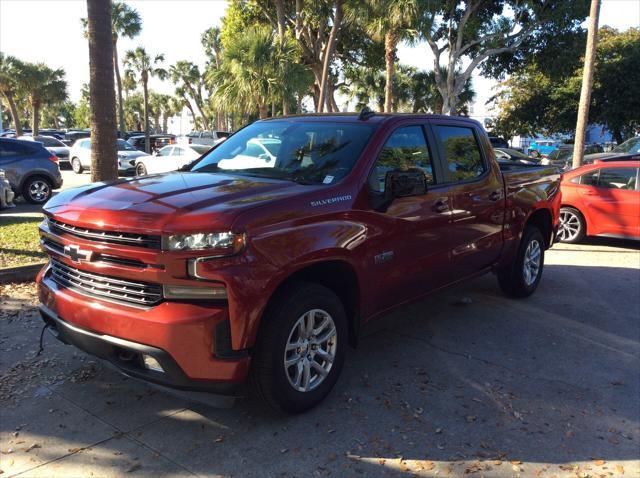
[(543, 221), (336, 275)]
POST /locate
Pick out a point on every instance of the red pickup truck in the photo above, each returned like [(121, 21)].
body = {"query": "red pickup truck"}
[(269, 255)]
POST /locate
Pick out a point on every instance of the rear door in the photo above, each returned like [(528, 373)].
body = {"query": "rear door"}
[(409, 255), (612, 200), (476, 192)]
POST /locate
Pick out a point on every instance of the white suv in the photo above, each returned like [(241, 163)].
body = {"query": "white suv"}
[(207, 137)]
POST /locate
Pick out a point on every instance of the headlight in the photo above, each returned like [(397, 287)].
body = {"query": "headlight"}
[(223, 243)]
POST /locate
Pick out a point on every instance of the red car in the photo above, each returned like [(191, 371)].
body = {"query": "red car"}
[(601, 199), (246, 264)]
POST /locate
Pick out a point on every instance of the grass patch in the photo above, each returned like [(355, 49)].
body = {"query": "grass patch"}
[(19, 241)]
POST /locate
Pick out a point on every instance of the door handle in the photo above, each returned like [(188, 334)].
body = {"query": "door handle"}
[(495, 195), (441, 205)]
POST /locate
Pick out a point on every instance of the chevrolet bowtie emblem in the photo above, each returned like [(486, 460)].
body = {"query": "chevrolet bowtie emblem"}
[(76, 254)]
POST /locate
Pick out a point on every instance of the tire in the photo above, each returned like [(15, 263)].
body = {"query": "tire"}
[(141, 170), (76, 165), (37, 189), (572, 226), (282, 386), (522, 278)]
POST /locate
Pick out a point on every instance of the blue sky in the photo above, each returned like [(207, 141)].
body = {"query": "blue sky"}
[(50, 31)]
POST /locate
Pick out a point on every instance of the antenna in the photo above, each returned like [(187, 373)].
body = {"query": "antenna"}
[(366, 113)]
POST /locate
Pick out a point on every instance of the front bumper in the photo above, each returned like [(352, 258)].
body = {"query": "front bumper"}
[(181, 337)]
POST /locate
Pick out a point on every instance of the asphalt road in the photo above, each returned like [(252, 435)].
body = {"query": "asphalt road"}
[(464, 383)]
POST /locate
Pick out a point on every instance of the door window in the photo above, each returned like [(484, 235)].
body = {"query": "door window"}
[(461, 152), (405, 150), (165, 152), (617, 178), (611, 178), (177, 152)]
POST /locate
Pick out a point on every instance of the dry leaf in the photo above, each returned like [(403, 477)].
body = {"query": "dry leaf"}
[(620, 469), (599, 462), (516, 462), (34, 445), (497, 462)]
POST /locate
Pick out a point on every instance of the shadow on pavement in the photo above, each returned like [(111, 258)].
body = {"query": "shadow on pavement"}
[(448, 385)]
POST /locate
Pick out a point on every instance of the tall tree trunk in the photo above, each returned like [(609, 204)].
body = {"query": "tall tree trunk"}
[(35, 119), (281, 19), (14, 113), (116, 66), (262, 109), (328, 54), (165, 122), (102, 100), (198, 101), (390, 42), (145, 96), (587, 84)]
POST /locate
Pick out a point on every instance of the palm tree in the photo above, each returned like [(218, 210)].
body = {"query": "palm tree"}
[(125, 23), (41, 86), (102, 99), (187, 75), (142, 67), (10, 70), (390, 21)]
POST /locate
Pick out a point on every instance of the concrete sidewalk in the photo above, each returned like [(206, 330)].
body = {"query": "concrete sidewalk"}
[(468, 382)]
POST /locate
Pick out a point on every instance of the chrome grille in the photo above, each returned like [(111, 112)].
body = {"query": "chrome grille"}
[(112, 237), (110, 288)]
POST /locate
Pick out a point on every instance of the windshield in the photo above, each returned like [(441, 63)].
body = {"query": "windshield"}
[(301, 151), (48, 141), (631, 146), (124, 146)]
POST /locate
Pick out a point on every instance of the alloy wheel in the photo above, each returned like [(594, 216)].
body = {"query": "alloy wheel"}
[(531, 267), (310, 350), (39, 190), (569, 226)]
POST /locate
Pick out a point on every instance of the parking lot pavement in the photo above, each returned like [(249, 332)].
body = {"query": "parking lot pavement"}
[(464, 383)]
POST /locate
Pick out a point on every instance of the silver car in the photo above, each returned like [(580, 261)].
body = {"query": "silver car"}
[(81, 156), (31, 170)]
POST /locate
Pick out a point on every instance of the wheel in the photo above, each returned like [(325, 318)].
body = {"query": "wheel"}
[(76, 165), (522, 278), (141, 170), (37, 190), (572, 226), (300, 349)]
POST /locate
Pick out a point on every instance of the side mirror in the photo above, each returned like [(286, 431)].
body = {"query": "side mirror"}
[(399, 184), (405, 183)]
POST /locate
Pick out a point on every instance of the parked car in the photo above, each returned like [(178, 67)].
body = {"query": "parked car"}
[(6, 193), (257, 153), (563, 156), (170, 158), (498, 142), (72, 136), (31, 169), (600, 199), (207, 137), (542, 148), (156, 141), (81, 156), (52, 144), (508, 154), (627, 151), (204, 276)]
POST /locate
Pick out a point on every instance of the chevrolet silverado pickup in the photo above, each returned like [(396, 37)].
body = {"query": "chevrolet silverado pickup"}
[(264, 268)]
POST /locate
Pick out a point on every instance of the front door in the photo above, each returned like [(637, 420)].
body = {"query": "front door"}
[(409, 252), (477, 199)]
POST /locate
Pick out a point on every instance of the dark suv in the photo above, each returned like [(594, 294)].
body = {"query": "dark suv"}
[(156, 141), (30, 168)]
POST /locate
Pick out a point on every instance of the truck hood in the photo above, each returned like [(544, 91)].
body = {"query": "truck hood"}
[(171, 203)]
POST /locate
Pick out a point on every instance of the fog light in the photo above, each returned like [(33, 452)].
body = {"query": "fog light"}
[(211, 292), (151, 363)]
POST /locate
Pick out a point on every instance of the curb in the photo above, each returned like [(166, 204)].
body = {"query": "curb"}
[(20, 273)]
